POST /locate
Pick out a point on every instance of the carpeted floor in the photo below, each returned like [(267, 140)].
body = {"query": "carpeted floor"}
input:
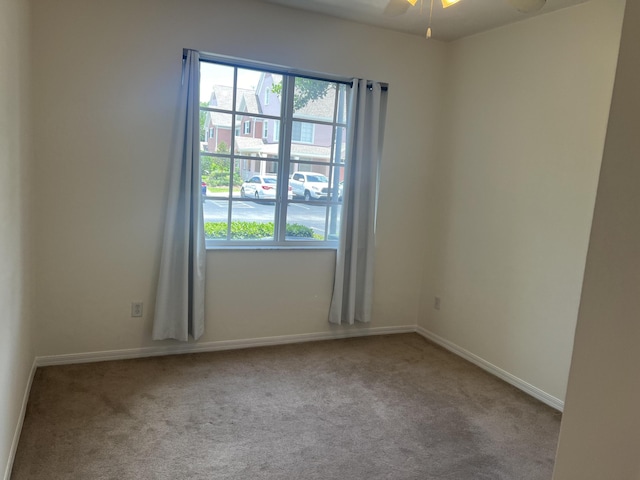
[(386, 407)]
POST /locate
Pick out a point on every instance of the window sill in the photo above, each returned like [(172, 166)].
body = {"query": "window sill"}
[(219, 248)]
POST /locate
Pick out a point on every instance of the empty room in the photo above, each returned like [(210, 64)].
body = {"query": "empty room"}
[(299, 239)]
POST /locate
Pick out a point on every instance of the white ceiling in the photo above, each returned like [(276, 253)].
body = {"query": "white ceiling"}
[(459, 20)]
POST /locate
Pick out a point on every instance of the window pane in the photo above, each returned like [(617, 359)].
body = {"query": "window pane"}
[(216, 212), (309, 153), (333, 222), (216, 173), (250, 140), (314, 99), (215, 132), (306, 221), (310, 185), (252, 220), (339, 145), (342, 104), (258, 172), (336, 183), (257, 92), (216, 85)]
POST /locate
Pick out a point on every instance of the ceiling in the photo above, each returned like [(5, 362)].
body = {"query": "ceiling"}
[(459, 20)]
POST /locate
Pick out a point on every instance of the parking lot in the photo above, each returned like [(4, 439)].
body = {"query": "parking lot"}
[(308, 214)]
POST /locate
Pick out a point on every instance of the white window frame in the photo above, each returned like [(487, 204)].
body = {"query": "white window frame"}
[(283, 163), (265, 129)]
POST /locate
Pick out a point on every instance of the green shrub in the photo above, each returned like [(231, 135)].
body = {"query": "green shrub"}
[(299, 231), (253, 230), (221, 179)]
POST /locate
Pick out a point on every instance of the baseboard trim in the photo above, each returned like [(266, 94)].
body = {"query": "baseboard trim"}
[(23, 411), (101, 356), (142, 352), (526, 387)]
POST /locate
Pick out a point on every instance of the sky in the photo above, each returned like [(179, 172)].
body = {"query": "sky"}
[(212, 74)]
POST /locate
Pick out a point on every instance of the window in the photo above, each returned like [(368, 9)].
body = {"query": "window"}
[(276, 130), (302, 132), (283, 193), (266, 96)]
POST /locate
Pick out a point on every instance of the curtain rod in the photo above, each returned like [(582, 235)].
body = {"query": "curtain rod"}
[(265, 67)]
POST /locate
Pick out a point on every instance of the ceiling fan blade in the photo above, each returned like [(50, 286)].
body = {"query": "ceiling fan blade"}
[(527, 6), (396, 7)]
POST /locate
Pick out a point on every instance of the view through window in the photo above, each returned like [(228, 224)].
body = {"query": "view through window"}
[(273, 157)]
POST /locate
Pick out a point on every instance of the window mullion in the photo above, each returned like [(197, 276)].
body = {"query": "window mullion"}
[(288, 86), (232, 151)]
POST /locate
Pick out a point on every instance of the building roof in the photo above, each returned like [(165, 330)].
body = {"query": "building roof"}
[(320, 109), (249, 145), (222, 97), (218, 119)]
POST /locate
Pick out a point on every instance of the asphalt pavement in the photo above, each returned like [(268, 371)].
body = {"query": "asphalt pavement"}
[(305, 213)]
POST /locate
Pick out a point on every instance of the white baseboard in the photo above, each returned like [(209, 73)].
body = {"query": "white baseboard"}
[(535, 392), (89, 357), (23, 411)]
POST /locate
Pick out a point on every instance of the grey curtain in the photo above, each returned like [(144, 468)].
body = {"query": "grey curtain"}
[(179, 310), (353, 284)]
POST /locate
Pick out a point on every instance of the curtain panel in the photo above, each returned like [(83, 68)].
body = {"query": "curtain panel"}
[(352, 297), (180, 297)]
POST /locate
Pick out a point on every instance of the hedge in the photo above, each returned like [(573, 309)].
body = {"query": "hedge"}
[(253, 230)]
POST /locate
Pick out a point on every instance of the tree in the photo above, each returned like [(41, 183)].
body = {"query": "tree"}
[(218, 169), (306, 91)]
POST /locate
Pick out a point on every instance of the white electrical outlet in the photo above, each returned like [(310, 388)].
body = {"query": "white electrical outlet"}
[(436, 303), (136, 309)]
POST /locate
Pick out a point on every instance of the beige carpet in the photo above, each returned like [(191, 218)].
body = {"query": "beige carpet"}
[(391, 407)]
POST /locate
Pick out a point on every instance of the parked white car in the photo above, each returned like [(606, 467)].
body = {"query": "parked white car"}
[(309, 185), (260, 186)]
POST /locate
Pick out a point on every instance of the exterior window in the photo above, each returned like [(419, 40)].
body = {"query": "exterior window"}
[(266, 96), (276, 131), (302, 132), (284, 193)]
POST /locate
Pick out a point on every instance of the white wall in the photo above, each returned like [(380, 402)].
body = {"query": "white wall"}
[(600, 433), (513, 190), (16, 353), (106, 83)]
